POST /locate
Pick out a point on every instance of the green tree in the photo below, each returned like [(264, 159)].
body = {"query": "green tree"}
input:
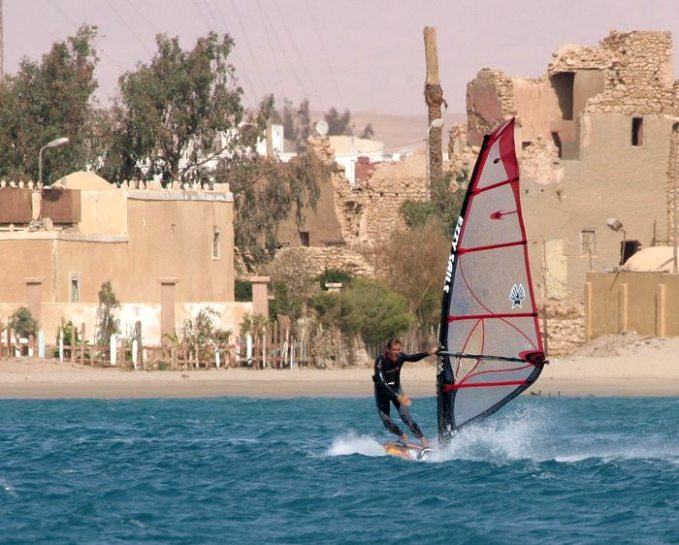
[(265, 192), (180, 112), (338, 124), (418, 278), (107, 323), (293, 282), (368, 307), (22, 323), (45, 101), (329, 276), (201, 335), (447, 195), (296, 123)]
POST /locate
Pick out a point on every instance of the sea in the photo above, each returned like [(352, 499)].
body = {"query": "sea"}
[(544, 470)]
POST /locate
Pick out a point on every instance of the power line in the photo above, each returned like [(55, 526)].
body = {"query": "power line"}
[(327, 64), (299, 56), (142, 16), (76, 25), (236, 50), (248, 46), (124, 21), (271, 48), (270, 26)]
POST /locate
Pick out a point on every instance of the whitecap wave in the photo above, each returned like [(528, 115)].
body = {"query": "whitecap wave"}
[(520, 434), (352, 443)]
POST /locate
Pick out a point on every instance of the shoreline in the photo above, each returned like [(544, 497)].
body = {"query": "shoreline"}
[(618, 367)]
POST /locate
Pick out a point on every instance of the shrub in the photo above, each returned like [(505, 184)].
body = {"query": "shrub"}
[(23, 323)]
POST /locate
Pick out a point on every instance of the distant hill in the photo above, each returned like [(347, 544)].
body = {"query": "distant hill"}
[(402, 132)]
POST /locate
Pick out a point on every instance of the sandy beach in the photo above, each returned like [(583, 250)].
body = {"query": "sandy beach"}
[(611, 366)]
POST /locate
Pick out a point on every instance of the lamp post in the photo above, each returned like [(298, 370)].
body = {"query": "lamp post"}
[(52, 144), (435, 124), (616, 225)]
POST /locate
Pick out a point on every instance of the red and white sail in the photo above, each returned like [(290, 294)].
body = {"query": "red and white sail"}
[(492, 347)]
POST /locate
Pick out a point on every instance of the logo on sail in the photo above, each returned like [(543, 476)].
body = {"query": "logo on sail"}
[(451, 258), (517, 295), (499, 214)]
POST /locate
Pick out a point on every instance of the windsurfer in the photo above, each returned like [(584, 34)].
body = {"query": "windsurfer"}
[(387, 379)]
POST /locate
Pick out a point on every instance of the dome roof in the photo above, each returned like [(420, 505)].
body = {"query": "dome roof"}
[(83, 180), (652, 259)]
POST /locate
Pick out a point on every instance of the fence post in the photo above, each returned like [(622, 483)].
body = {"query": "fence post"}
[(82, 346), (135, 354), (113, 352), (248, 349), (61, 345), (137, 351), (265, 338)]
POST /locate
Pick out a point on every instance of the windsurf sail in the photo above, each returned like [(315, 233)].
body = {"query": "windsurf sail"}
[(490, 336)]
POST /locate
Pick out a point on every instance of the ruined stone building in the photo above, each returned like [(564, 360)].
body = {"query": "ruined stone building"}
[(598, 139), (351, 220), (167, 252)]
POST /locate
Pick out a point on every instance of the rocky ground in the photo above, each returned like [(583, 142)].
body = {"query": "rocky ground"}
[(565, 328)]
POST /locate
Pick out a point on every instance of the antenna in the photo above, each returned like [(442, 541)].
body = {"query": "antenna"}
[(321, 126)]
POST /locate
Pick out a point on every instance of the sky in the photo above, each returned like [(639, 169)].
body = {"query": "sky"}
[(362, 55)]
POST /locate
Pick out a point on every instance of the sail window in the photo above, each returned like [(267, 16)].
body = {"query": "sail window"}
[(637, 131)]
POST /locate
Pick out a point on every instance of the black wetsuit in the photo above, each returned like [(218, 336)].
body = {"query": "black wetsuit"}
[(387, 380)]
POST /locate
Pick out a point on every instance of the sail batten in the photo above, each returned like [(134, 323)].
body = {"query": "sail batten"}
[(481, 316), (492, 347), (490, 247)]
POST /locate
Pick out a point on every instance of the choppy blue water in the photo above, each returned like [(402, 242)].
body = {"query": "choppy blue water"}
[(312, 471)]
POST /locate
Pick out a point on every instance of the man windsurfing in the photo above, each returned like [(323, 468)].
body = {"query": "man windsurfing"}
[(387, 379)]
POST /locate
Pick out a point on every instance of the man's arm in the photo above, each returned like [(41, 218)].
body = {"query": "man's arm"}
[(420, 355)]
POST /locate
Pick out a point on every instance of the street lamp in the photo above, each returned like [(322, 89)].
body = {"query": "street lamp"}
[(52, 144), (616, 225), (435, 124)]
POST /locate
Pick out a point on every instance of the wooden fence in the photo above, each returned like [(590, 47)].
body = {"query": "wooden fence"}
[(276, 347)]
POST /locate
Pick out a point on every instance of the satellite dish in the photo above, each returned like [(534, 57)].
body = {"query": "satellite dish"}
[(322, 128)]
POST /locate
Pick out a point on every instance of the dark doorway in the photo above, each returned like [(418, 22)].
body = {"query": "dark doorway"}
[(637, 131), (563, 87), (629, 248)]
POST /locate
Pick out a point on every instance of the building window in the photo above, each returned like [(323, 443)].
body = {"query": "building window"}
[(216, 242), (588, 242), (304, 238), (637, 131), (74, 287)]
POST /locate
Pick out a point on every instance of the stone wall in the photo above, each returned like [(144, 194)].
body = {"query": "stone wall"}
[(490, 100), (369, 213), (639, 78), (672, 181)]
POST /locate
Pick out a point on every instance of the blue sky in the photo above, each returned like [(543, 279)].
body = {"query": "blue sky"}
[(365, 55)]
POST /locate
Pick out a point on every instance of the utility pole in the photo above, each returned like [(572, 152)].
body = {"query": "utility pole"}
[(433, 96)]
